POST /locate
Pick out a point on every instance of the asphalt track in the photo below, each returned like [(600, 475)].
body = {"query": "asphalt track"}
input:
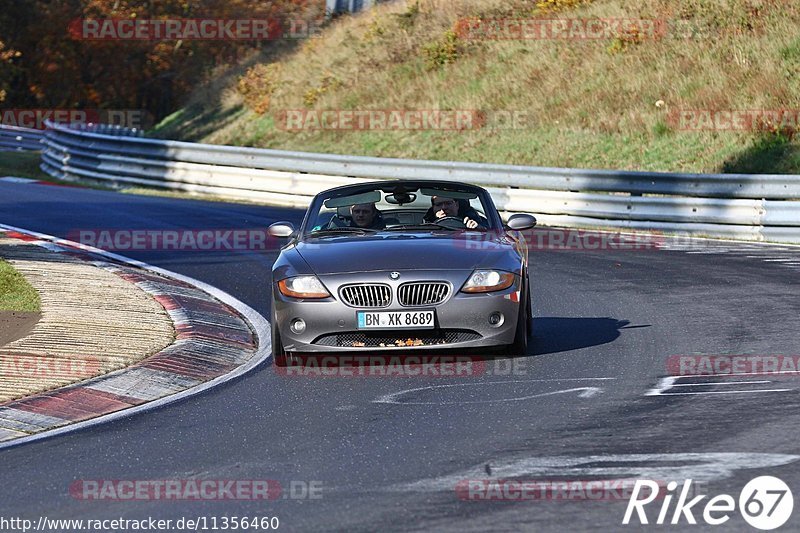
[(388, 458)]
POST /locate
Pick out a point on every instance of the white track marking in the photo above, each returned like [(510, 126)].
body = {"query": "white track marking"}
[(13, 179), (725, 392), (737, 374), (586, 392), (714, 383), (662, 385), (666, 383), (259, 324), (783, 254), (703, 467)]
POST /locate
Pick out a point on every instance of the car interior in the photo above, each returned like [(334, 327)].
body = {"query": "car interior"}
[(409, 208)]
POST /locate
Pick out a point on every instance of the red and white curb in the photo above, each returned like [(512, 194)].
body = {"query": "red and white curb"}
[(14, 179), (218, 339)]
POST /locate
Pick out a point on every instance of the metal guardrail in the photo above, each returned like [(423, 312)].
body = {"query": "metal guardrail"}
[(349, 6), (16, 138), (106, 129), (753, 207)]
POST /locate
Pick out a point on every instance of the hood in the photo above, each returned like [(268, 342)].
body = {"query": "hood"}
[(408, 251)]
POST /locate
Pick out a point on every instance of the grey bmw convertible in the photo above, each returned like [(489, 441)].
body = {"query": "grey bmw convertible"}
[(406, 264)]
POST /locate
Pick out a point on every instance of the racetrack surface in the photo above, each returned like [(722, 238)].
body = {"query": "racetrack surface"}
[(394, 465)]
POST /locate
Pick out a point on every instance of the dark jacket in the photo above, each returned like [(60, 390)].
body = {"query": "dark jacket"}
[(464, 210), (377, 222), (338, 221)]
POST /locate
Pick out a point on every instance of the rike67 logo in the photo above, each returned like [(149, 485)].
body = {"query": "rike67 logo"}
[(765, 503)]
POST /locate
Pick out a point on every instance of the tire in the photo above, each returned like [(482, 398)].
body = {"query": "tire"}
[(520, 345), (281, 357), (529, 311), (278, 353)]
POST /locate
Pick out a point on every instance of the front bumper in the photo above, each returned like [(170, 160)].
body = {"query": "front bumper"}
[(462, 320)]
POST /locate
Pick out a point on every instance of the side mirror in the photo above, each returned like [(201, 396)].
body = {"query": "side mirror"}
[(521, 222), (281, 229)]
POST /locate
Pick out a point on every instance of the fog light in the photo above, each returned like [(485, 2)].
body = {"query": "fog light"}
[(496, 319), (298, 325)]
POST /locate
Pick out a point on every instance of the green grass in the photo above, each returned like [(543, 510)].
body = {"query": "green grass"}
[(16, 294), (590, 103), (26, 165), (22, 165)]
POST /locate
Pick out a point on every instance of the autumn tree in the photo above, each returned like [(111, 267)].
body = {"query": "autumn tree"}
[(44, 65)]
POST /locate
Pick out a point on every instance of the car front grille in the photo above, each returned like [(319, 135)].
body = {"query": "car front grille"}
[(422, 293), (366, 295), (385, 339)]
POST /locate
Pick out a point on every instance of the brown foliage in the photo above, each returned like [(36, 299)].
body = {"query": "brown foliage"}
[(54, 69)]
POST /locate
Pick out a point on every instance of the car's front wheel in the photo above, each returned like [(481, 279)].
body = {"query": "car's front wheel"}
[(520, 344), (282, 357)]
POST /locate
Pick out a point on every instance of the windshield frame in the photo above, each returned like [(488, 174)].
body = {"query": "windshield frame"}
[(491, 214)]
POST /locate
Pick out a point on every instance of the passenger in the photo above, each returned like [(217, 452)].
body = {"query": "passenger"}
[(366, 216), (443, 206)]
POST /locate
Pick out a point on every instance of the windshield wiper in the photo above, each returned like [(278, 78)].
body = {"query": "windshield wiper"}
[(429, 225), (333, 231), (433, 225)]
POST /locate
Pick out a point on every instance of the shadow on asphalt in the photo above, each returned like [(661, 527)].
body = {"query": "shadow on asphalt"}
[(562, 334), (551, 335)]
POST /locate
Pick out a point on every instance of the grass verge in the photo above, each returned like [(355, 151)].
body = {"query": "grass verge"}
[(22, 165), (612, 102), (16, 294), (26, 165)]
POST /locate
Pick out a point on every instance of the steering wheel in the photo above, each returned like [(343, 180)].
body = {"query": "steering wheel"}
[(450, 222), (338, 221)]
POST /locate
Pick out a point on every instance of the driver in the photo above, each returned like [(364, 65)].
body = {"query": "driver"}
[(366, 216), (450, 207)]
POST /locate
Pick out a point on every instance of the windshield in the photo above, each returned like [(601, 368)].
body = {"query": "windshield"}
[(401, 209)]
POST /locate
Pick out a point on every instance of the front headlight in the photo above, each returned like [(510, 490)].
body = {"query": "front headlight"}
[(488, 281), (303, 287)]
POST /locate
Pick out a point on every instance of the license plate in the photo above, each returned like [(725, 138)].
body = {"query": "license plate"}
[(396, 319)]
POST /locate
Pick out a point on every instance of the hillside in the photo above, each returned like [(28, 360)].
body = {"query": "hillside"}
[(644, 93)]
